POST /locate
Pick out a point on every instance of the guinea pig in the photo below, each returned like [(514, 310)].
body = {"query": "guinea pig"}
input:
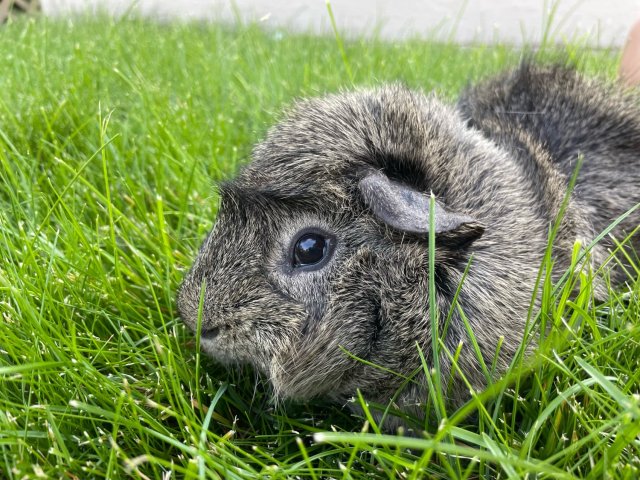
[(317, 266)]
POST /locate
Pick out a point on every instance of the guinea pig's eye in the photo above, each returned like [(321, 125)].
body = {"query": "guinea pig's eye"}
[(310, 249)]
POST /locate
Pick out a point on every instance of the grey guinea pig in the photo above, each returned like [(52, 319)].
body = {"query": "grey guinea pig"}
[(321, 242)]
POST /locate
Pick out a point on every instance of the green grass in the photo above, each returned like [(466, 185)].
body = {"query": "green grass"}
[(112, 136)]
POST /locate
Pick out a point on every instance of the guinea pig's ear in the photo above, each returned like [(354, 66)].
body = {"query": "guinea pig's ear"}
[(407, 210)]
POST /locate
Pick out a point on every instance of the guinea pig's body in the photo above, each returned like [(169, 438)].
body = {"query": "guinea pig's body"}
[(320, 246)]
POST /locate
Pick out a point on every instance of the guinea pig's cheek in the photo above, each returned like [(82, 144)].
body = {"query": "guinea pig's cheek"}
[(309, 291), (251, 338)]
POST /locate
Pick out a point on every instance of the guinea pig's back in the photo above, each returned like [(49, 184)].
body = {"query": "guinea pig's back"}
[(570, 117)]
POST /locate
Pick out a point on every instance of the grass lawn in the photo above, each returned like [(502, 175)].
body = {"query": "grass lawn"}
[(112, 136)]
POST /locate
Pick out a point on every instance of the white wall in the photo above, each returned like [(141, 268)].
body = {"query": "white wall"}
[(599, 22)]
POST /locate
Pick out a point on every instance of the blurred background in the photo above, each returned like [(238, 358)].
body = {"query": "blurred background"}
[(592, 22)]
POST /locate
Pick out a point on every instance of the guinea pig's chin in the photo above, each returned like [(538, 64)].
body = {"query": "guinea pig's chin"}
[(227, 353), (222, 351)]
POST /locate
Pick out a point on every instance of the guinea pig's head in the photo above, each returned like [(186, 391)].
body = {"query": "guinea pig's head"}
[(317, 266)]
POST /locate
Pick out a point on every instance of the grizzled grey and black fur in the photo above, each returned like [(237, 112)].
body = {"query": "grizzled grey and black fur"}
[(320, 245)]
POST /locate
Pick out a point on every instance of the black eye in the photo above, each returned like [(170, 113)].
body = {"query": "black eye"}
[(310, 249)]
